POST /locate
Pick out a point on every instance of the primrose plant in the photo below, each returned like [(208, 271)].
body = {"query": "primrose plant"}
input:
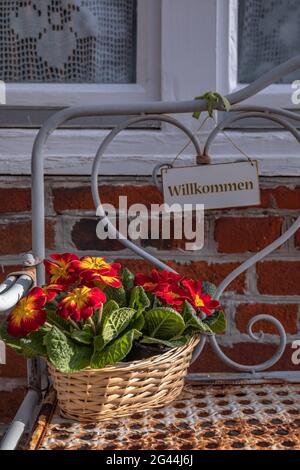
[(93, 313)]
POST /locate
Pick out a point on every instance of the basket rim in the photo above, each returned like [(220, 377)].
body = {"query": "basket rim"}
[(121, 366)]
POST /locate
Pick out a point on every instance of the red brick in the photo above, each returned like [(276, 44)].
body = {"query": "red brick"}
[(278, 277), (242, 234), (6, 270), (15, 200), (287, 198), (244, 353), (281, 197), (84, 237), (9, 403), (186, 268), (138, 265), (66, 199), (164, 244), (287, 314), (15, 237), (216, 273), (266, 199), (135, 265), (213, 272), (49, 234), (15, 365), (161, 243), (171, 243)]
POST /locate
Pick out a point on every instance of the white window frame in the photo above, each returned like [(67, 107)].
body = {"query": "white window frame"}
[(195, 52), (278, 95), (147, 86)]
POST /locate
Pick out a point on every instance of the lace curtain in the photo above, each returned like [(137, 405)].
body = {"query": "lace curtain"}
[(269, 33), (75, 41)]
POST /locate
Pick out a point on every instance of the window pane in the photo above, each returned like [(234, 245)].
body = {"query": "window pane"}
[(269, 34), (76, 41)]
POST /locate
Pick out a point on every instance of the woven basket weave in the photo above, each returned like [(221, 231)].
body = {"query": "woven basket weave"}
[(123, 389)]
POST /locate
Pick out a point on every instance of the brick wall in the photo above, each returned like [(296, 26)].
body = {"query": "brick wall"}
[(272, 287)]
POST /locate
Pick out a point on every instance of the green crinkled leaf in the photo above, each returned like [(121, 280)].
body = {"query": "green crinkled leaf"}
[(108, 308), (137, 322), (33, 345), (154, 301), (139, 299), (30, 346), (113, 325), (218, 322), (84, 336), (65, 354), (55, 319), (163, 323), (151, 297), (116, 294), (175, 343), (127, 278), (11, 341), (115, 351), (208, 288), (193, 322)]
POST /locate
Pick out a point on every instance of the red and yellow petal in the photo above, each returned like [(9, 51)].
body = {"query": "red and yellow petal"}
[(166, 277), (200, 301), (172, 295), (52, 290), (103, 277), (62, 269), (64, 257), (146, 282), (81, 302), (29, 314), (93, 263), (157, 279)]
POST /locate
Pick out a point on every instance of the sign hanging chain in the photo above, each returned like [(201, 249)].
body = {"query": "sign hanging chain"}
[(239, 149), (189, 140), (213, 99)]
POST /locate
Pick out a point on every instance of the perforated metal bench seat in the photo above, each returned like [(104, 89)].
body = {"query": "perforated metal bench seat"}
[(210, 415)]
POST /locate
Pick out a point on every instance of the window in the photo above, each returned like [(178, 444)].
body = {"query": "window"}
[(92, 41), (182, 49), (268, 34), (71, 52), (259, 36)]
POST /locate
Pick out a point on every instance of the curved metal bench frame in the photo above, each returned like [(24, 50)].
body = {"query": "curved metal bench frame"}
[(145, 111)]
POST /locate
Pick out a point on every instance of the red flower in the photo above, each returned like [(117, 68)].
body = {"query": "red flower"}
[(62, 270), (101, 278), (80, 303), (174, 289), (92, 263), (29, 314), (156, 279), (52, 290), (95, 271), (198, 299), (172, 295)]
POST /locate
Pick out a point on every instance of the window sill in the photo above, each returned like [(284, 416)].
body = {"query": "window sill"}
[(136, 152)]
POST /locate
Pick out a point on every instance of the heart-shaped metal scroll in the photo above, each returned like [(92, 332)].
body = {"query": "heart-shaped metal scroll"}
[(152, 259), (95, 193)]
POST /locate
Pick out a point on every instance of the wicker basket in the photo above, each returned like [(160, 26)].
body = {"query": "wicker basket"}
[(123, 389)]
